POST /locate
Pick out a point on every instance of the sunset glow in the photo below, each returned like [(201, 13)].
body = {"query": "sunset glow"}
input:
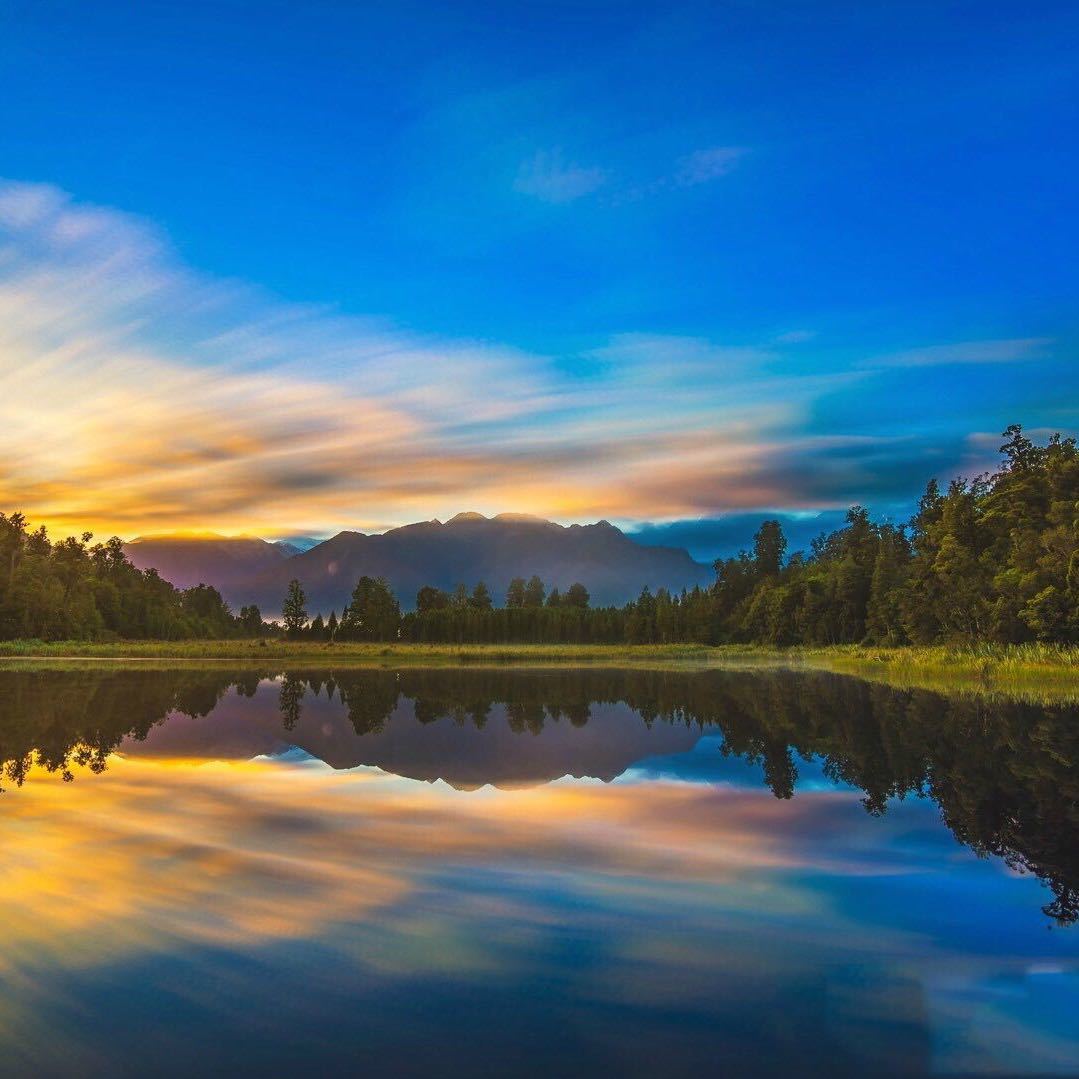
[(622, 330)]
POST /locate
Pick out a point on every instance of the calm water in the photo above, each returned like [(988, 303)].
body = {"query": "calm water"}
[(472, 872)]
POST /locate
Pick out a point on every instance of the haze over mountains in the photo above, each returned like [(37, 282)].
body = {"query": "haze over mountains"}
[(466, 549), (223, 561)]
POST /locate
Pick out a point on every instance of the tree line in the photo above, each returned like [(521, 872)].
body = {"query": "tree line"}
[(72, 590), (995, 558), (992, 559)]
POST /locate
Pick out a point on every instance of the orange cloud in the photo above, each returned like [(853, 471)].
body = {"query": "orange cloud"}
[(136, 396)]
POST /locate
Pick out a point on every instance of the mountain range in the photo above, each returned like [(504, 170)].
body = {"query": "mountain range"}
[(466, 549)]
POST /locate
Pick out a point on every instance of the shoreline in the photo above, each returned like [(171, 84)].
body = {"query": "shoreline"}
[(1035, 672)]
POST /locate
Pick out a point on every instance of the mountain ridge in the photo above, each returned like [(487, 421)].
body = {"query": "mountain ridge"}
[(467, 548)]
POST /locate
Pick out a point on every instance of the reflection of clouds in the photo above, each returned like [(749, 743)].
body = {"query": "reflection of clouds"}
[(1020, 1024), (240, 851), (259, 850), (705, 900)]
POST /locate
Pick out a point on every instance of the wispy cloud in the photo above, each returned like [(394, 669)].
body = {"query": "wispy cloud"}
[(703, 166), (548, 177), (1013, 350), (137, 395), (795, 337)]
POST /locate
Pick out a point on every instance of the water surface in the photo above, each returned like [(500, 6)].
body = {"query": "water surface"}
[(550, 872)]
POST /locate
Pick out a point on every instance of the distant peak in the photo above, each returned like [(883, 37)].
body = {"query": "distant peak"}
[(525, 518), (599, 526), (468, 515)]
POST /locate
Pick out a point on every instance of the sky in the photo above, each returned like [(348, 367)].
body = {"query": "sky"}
[(680, 266)]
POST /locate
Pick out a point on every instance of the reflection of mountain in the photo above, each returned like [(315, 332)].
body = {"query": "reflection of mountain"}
[(1004, 774), (462, 754)]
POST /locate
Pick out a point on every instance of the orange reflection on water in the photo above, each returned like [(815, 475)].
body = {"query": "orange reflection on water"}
[(159, 851)]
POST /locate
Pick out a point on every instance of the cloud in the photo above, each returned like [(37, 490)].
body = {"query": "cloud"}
[(138, 396), (1015, 350), (703, 166), (547, 177)]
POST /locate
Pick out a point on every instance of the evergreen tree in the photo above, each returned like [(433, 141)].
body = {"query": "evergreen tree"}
[(429, 598), (251, 621), (576, 596), (884, 613), (373, 614), (294, 609), (534, 592), (769, 546), (480, 600), (515, 594)]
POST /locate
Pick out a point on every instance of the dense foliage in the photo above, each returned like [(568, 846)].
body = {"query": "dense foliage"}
[(995, 559), (70, 590)]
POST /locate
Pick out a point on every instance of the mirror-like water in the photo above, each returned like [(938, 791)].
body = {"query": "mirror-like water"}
[(544, 872)]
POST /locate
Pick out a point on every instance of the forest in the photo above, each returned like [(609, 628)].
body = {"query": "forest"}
[(70, 590), (995, 559)]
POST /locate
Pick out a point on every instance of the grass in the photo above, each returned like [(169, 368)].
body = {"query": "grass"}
[(1039, 673), (339, 655), (1036, 672)]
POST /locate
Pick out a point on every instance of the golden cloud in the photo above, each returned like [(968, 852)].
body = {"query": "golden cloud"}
[(136, 396)]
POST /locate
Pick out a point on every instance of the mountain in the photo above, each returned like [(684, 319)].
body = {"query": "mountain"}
[(227, 562), (466, 549), (470, 548)]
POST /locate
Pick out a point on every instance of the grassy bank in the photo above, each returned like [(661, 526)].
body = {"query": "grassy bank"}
[(1033, 672), (273, 651)]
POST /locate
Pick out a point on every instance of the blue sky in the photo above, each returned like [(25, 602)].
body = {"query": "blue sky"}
[(705, 259)]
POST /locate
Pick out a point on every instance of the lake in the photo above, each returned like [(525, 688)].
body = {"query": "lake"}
[(541, 872)]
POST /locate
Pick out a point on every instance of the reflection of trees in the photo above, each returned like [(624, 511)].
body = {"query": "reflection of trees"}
[(290, 701), (1003, 773), (370, 700), (67, 719)]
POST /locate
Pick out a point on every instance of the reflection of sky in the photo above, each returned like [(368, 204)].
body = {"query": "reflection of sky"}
[(290, 916), (705, 763)]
